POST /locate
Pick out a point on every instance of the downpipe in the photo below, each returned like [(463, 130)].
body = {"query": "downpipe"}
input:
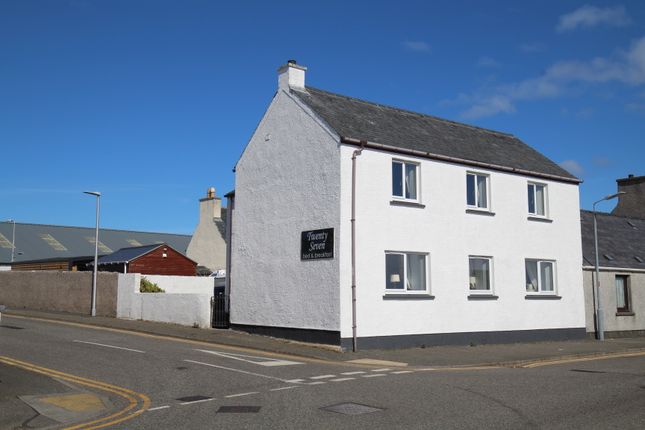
[(355, 154)]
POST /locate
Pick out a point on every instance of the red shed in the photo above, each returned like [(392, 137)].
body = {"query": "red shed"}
[(157, 259)]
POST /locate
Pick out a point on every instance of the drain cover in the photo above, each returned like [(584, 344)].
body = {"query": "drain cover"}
[(239, 409), (351, 409), (189, 399)]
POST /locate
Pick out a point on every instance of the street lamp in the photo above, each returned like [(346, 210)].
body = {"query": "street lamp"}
[(13, 238), (600, 334), (96, 247)]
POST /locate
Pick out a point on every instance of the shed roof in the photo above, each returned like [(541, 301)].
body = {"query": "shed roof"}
[(621, 241), (397, 128), (126, 255), (35, 242)]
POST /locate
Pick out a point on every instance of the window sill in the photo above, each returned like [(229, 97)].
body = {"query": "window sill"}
[(542, 297), (482, 297), (404, 296), (407, 203), (625, 314), (539, 219), (480, 212)]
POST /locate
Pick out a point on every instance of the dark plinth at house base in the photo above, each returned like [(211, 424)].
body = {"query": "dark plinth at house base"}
[(330, 337), (466, 338)]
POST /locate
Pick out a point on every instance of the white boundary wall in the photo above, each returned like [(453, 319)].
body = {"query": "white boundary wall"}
[(178, 308), (183, 284)]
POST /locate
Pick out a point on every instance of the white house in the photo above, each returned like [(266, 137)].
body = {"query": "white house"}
[(461, 234)]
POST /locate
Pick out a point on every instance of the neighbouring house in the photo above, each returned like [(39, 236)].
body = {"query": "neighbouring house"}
[(208, 244), (159, 259), (56, 247), (621, 258), (360, 224)]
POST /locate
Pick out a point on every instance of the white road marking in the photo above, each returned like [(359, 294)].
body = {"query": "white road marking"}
[(322, 377), (353, 373), (380, 370), (261, 361), (374, 375), (242, 394), (342, 379), (110, 346), (198, 401), (295, 381), (238, 370), (401, 372), (158, 408), (282, 388), (316, 383)]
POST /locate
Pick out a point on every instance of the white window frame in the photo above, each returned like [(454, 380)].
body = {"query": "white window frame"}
[(417, 177), (405, 254), (540, 290), (491, 284), (486, 176), (545, 202)]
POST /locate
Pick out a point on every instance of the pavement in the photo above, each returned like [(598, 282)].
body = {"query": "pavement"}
[(503, 355)]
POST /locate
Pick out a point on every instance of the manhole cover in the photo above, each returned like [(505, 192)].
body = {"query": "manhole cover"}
[(239, 409), (351, 409), (13, 327), (189, 399), (587, 371)]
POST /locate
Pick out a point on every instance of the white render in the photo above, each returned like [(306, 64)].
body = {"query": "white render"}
[(287, 181), (183, 284), (190, 309), (207, 245), (295, 175)]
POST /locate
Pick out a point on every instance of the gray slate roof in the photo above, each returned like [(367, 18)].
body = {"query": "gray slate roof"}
[(74, 242), (620, 238), (126, 255), (358, 119)]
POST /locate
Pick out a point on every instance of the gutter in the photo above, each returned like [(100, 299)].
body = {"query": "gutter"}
[(414, 152), (613, 269)]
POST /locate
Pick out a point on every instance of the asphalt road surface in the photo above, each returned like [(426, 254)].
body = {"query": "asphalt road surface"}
[(121, 380)]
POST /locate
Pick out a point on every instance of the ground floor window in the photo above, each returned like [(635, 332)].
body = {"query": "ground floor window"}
[(405, 271), (480, 274), (540, 276), (622, 293)]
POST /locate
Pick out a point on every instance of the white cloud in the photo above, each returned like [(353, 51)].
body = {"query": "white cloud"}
[(591, 16), (627, 67), (416, 46), (488, 62), (573, 167)]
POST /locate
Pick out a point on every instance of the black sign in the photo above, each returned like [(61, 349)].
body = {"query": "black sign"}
[(316, 244)]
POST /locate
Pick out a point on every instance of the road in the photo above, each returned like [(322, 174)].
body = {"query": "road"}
[(81, 374)]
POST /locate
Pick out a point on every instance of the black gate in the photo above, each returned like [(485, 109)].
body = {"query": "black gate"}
[(220, 309)]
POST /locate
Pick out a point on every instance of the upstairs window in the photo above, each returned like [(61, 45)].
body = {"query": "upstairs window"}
[(540, 276), (405, 178), (405, 272), (477, 190), (537, 199)]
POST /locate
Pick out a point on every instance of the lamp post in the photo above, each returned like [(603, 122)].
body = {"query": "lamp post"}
[(600, 334), (96, 247), (13, 238)]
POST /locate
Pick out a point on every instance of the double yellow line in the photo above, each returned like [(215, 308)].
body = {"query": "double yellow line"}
[(137, 402)]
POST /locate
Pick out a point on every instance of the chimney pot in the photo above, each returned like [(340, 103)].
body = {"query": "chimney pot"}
[(210, 193), (631, 175)]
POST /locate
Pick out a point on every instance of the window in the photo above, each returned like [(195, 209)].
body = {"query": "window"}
[(479, 270), (537, 199), (405, 180), (405, 272), (622, 293), (540, 276), (477, 190)]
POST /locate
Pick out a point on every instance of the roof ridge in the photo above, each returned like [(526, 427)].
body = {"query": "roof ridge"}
[(461, 124), (101, 228)]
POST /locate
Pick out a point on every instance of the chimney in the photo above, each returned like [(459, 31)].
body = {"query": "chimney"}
[(291, 75), (210, 207), (632, 203)]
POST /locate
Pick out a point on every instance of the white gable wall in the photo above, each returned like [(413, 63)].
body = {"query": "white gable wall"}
[(287, 181), (450, 235)]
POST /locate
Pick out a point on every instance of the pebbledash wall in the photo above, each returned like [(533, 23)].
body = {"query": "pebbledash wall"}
[(295, 176), (443, 228), (287, 181)]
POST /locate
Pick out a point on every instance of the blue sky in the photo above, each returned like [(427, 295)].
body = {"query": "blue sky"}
[(152, 102)]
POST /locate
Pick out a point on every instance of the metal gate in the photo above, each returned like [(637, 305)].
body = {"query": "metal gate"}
[(219, 306)]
